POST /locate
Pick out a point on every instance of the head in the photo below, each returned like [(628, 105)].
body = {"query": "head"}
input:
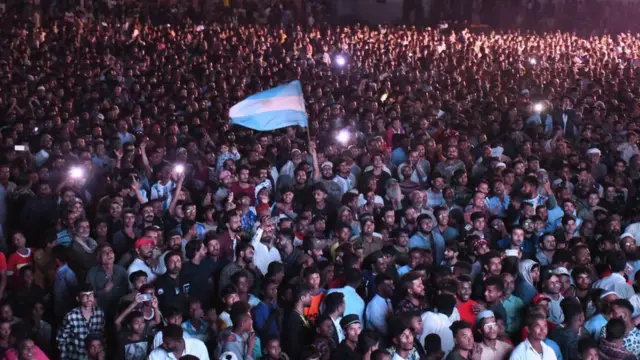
[(172, 338), (494, 289), (537, 326), (462, 335)]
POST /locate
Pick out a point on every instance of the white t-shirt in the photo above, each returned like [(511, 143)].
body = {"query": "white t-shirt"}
[(157, 340), (193, 347), (138, 264)]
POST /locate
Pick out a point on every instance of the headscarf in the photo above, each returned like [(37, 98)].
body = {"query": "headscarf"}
[(525, 270)]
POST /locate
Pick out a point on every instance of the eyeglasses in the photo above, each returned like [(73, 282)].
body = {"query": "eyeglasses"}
[(490, 325)]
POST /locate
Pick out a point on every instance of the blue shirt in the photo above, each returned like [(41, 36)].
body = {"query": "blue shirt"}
[(200, 334), (595, 325), (404, 269), (498, 207), (525, 291), (513, 305), (528, 245), (433, 241), (398, 156), (450, 233), (556, 349), (64, 290), (354, 303), (261, 314)]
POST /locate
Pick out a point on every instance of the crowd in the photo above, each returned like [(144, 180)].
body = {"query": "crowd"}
[(456, 196)]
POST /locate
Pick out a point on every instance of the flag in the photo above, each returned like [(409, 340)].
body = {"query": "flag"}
[(272, 109)]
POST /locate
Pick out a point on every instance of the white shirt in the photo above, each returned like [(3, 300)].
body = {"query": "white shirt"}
[(339, 331), (193, 347), (353, 301), (525, 351), (615, 282), (376, 314), (157, 340), (436, 323), (634, 229), (138, 264), (556, 315), (263, 255)]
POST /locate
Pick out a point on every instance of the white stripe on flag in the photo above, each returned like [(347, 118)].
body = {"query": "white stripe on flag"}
[(251, 107)]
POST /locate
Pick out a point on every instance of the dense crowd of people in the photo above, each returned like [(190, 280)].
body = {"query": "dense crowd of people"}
[(457, 195)]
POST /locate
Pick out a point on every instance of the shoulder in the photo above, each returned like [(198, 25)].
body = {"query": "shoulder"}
[(505, 345), (158, 354), (195, 343)]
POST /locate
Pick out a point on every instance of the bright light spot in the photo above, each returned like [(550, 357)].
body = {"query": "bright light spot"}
[(533, 61), (538, 108), (341, 61), (179, 168), (343, 136), (76, 172)]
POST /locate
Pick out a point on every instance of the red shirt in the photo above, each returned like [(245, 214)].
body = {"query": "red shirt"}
[(238, 190), (466, 311), (17, 260)]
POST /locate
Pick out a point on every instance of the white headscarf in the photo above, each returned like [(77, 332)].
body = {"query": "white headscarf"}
[(525, 270)]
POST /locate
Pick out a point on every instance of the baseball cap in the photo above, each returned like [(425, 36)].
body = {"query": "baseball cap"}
[(349, 320), (143, 241), (484, 314), (540, 298), (561, 271)]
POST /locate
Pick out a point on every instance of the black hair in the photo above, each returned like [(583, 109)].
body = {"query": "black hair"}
[(333, 301), (167, 256), (397, 327), (379, 353), (432, 343), (623, 303), (300, 291), (242, 247), (459, 325), (533, 317), (571, 312), (171, 312), (586, 344), (137, 274), (495, 281), (310, 271), (354, 278), (186, 225), (445, 303), (367, 339), (192, 248), (617, 261), (228, 290), (238, 312), (237, 276), (173, 332), (615, 329)]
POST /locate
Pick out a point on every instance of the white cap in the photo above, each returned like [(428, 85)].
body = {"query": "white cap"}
[(625, 235), (607, 293), (561, 271), (594, 151), (501, 164)]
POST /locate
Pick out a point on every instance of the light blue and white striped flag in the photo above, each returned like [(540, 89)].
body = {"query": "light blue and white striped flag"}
[(272, 109)]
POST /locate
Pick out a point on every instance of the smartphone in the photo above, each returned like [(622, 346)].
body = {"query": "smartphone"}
[(146, 297), (20, 148), (512, 252)]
